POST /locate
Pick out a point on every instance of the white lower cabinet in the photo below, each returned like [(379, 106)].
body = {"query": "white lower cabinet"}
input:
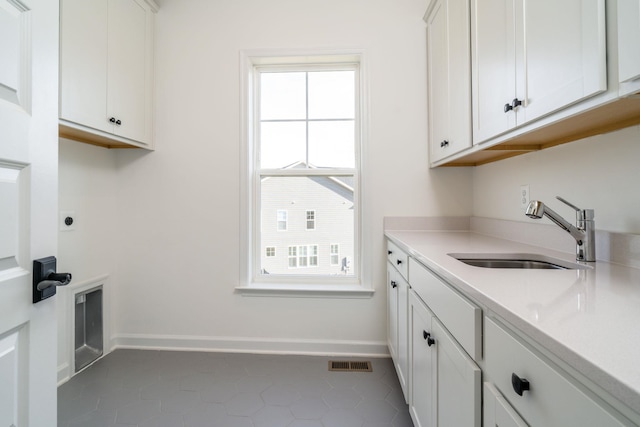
[(445, 381), (444, 347), (397, 317), (536, 390), (422, 386), (497, 411)]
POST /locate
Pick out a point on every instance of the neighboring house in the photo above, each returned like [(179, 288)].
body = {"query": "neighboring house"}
[(307, 225)]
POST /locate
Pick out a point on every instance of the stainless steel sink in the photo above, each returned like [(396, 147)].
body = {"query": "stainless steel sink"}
[(513, 260)]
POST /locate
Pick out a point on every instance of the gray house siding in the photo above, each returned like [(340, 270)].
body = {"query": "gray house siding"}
[(332, 202)]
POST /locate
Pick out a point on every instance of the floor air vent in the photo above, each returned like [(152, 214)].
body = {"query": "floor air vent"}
[(346, 366)]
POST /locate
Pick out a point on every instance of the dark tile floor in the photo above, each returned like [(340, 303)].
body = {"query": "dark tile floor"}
[(192, 389)]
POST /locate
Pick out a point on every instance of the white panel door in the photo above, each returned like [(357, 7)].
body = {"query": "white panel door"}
[(127, 73), (449, 78), (422, 359), (497, 411), (28, 205), (392, 312), (83, 88), (493, 67), (561, 54), (628, 40), (459, 382)]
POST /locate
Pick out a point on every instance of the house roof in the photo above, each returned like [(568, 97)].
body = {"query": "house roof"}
[(344, 182)]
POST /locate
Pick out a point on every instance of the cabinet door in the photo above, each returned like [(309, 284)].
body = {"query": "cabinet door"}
[(403, 334), (497, 411), (561, 54), (449, 74), (392, 312), (628, 38), (493, 67), (129, 65), (458, 379), (83, 63), (422, 385), (543, 54)]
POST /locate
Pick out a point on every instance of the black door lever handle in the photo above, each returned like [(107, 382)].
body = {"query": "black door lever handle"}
[(54, 279), (46, 279)]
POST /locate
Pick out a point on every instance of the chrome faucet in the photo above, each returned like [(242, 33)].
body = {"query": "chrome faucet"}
[(583, 231)]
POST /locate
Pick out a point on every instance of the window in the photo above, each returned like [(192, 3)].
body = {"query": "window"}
[(303, 256), (303, 141), (271, 251), (282, 220), (293, 256), (335, 255), (313, 255), (311, 220)]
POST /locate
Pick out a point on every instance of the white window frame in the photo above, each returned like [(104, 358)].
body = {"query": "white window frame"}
[(273, 250), (313, 220), (292, 256), (313, 255), (332, 254), (252, 282), (278, 220)]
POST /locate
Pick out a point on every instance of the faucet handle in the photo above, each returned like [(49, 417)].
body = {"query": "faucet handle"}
[(577, 209), (581, 214)]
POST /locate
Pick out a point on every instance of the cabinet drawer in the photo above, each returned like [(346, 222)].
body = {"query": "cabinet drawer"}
[(398, 258), (552, 399), (461, 317)]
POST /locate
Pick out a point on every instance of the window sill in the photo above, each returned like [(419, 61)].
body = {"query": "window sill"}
[(304, 291)]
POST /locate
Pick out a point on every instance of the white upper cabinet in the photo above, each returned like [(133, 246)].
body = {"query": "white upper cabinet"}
[(449, 74), (106, 71), (531, 58), (629, 45)]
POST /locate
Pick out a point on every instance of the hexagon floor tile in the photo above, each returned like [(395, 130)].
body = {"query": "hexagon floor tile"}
[(146, 388)]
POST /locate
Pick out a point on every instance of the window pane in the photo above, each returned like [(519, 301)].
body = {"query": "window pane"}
[(293, 260), (332, 95), (302, 256), (282, 96), (330, 198), (282, 144), (311, 220), (331, 144), (335, 254), (313, 256), (282, 220)]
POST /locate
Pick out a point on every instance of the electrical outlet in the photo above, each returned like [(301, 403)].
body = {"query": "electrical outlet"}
[(524, 196), (67, 221)]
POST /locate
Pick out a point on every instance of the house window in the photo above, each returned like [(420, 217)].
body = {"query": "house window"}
[(293, 256), (303, 256), (282, 220), (303, 162), (313, 256), (271, 251), (335, 255), (311, 220)]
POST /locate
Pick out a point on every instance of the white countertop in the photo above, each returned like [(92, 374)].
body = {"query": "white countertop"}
[(588, 318)]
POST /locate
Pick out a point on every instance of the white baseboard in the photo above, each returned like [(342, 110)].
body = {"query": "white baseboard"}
[(251, 345), (64, 373)]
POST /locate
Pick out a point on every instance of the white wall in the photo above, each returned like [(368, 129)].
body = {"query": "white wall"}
[(600, 172), (178, 207), (164, 225), (87, 186)]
